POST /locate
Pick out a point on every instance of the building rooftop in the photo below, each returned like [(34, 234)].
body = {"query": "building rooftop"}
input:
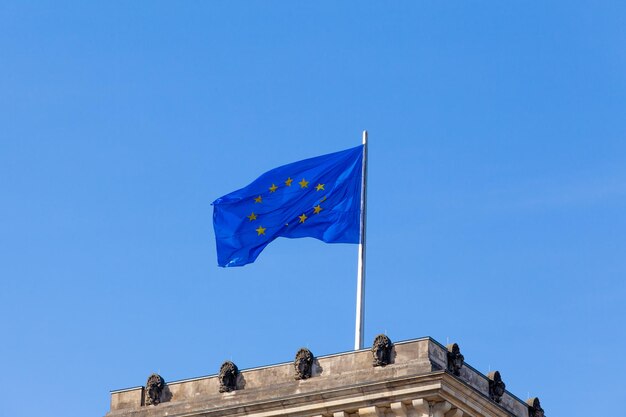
[(419, 377)]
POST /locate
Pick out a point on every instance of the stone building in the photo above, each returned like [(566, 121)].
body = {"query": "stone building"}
[(416, 378)]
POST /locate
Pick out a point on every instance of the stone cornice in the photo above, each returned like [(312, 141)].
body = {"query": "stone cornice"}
[(417, 378)]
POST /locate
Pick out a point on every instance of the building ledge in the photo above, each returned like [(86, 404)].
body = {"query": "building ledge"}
[(419, 371)]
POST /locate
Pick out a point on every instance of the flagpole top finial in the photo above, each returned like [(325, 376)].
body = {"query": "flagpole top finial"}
[(364, 137)]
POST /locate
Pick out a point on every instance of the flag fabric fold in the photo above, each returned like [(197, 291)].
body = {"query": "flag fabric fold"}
[(318, 197)]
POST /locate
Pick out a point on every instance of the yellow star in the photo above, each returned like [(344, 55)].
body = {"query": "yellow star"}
[(258, 199), (288, 182), (319, 187), (273, 188), (316, 209), (252, 216), (303, 218), (323, 199), (260, 230), (304, 183)]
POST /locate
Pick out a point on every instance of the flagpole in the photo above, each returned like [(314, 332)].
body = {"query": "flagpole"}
[(360, 279)]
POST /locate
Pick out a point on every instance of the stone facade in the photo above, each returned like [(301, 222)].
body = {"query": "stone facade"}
[(415, 383)]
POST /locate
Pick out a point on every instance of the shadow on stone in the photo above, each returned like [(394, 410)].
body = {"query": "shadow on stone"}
[(241, 382), (316, 369), (166, 394)]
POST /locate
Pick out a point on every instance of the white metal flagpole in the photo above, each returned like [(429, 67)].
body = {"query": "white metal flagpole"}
[(360, 280)]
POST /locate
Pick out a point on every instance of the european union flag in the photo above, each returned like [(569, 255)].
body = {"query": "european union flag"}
[(318, 197)]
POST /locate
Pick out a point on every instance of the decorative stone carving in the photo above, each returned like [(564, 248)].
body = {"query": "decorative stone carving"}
[(228, 377), (154, 388), (381, 350), (455, 359), (534, 407), (496, 386), (303, 364)]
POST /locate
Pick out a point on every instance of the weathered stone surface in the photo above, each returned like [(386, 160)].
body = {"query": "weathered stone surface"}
[(341, 383), (126, 399)]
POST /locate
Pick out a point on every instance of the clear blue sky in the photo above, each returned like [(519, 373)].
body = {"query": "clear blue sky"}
[(497, 189)]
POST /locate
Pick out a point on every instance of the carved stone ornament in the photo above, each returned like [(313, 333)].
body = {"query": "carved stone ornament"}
[(154, 388), (381, 350), (496, 386), (455, 359), (534, 407), (228, 377), (303, 363)]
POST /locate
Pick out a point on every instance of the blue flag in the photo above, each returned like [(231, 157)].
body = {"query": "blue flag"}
[(318, 197)]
